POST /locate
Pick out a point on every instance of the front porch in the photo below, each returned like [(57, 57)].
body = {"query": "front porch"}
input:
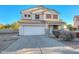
[(54, 25)]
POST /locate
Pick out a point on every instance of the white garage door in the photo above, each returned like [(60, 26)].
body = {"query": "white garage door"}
[(32, 30)]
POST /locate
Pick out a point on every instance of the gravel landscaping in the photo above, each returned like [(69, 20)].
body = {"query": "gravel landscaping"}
[(74, 44)]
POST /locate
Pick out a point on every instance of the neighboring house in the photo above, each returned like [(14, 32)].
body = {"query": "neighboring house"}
[(39, 21), (76, 22)]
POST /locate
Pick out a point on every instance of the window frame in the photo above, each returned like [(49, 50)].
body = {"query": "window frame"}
[(25, 15), (48, 16), (29, 15), (37, 16), (55, 16)]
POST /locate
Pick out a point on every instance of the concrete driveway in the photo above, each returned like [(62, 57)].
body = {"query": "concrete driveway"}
[(38, 45)]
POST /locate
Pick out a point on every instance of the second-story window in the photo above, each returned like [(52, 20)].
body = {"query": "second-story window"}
[(55, 16), (77, 18), (48, 16), (36, 16), (25, 15), (29, 15), (78, 27)]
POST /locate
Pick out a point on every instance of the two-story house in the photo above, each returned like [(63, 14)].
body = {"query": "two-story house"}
[(76, 22), (39, 21)]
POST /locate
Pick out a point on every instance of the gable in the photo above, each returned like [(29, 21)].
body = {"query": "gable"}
[(40, 9)]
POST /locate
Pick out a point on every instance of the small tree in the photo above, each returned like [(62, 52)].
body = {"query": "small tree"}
[(70, 27), (15, 26), (2, 26), (7, 26)]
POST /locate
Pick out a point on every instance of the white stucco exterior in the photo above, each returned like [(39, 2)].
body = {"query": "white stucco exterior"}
[(52, 13), (76, 22), (41, 12), (38, 25)]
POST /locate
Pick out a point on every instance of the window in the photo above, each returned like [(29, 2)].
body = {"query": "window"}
[(77, 18), (78, 27), (29, 15), (48, 16), (25, 15), (55, 16), (36, 16)]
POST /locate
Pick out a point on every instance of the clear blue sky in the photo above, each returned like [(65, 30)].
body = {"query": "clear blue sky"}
[(11, 13)]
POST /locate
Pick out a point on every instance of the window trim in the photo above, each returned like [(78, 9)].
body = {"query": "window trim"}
[(48, 16), (25, 15), (29, 15), (55, 16), (37, 16)]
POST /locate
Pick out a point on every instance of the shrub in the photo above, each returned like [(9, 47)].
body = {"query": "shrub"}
[(56, 33), (67, 36)]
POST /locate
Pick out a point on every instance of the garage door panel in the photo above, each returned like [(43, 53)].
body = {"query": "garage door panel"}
[(34, 30), (28, 30)]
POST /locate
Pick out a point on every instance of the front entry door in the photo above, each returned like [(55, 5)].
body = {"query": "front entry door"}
[(55, 27)]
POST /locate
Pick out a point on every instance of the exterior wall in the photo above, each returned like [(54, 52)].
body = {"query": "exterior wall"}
[(39, 12), (42, 14), (21, 32), (76, 22), (33, 16), (26, 13), (52, 13), (60, 27)]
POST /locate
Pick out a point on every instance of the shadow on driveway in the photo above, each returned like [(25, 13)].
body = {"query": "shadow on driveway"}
[(39, 45)]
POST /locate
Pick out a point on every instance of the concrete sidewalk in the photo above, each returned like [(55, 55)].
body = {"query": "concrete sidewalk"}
[(38, 45)]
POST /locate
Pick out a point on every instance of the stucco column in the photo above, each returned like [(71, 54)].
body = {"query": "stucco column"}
[(33, 16), (60, 27), (46, 29)]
